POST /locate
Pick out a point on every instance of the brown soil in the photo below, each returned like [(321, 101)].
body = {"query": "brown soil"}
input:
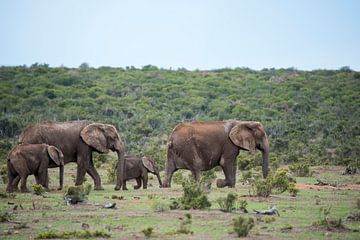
[(303, 186)]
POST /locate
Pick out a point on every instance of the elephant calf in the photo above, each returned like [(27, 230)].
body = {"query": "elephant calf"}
[(138, 168), (28, 159)]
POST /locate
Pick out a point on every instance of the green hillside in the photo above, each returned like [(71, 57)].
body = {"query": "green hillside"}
[(309, 115)]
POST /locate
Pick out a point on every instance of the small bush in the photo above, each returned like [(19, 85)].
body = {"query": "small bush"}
[(175, 204), (147, 232), (194, 196), (227, 204), (73, 234), (263, 187), (300, 169), (242, 204), (76, 194), (292, 190), (207, 178), (244, 162), (159, 206), (281, 180), (38, 189), (185, 225), (325, 220), (242, 226), (3, 173)]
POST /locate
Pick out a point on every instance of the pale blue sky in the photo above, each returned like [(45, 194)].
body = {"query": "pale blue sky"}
[(305, 34)]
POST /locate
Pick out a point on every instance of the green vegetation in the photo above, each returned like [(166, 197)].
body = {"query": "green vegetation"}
[(38, 189), (227, 204), (147, 232), (242, 226), (73, 234), (309, 116), (194, 196)]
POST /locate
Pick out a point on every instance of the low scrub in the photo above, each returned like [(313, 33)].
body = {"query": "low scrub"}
[(326, 221), (148, 232), (242, 226), (227, 204), (194, 196), (76, 194), (159, 205), (73, 235), (185, 225), (38, 189), (300, 169)]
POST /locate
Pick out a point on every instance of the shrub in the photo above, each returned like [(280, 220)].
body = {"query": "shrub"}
[(185, 225), (244, 162), (242, 204), (227, 204), (325, 220), (263, 187), (194, 196), (3, 173), (242, 226), (75, 194), (147, 232), (73, 235), (269, 219), (281, 180), (5, 216), (38, 189), (207, 178), (292, 190), (300, 169), (175, 204)]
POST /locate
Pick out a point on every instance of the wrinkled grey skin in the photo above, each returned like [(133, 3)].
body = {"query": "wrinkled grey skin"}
[(201, 146), (77, 140), (32, 159), (138, 168)]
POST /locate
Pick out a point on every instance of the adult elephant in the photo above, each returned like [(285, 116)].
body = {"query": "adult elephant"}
[(200, 146), (77, 140)]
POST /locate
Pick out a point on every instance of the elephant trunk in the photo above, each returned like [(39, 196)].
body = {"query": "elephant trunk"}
[(159, 179), (120, 171), (61, 180), (265, 153)]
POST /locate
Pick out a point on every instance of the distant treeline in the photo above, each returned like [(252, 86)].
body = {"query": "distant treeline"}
[(311, 116)]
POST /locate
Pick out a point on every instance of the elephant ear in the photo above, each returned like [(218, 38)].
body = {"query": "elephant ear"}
[(94, 136), (242, 136), (148, 164), (56, 155)]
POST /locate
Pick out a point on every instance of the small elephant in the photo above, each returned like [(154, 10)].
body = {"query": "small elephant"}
[(138, 168), (28, 159)]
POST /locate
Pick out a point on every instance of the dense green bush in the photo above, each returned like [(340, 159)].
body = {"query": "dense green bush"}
[(242, 226), (227, 204), (194, 196)]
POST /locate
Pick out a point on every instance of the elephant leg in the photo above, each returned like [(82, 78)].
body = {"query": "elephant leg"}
[(23, 187), (83, 161), (170, 169), (11, 178), (15, 183), (145, 180), (95, 175), (138, 181), (124, 185), (229, 168)]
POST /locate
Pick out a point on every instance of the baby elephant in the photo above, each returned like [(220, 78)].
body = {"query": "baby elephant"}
[(28, 159), (138, 168)]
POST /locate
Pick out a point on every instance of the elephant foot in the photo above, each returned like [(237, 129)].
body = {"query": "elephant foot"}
[(220, 183), (99, 188), (125, 188), (165, 185), (136, 187), (25, 190), (59, 188)]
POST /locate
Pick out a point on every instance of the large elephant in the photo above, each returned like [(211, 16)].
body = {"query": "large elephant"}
[(138, 168), (77, 140), (28, 159), (200, 146)]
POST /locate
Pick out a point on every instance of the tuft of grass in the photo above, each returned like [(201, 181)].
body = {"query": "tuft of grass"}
[(73, 234), (227, 204), (242, 226), (300, 169), (269, 219), (5, 216), (194, 195), (326, 221), (185, 225), (38, 189), (147, 232), (75, 194)]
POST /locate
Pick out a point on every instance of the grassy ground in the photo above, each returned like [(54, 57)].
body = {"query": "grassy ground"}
[(135, 212)]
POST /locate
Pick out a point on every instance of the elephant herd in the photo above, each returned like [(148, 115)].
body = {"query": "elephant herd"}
[(196, 146)]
